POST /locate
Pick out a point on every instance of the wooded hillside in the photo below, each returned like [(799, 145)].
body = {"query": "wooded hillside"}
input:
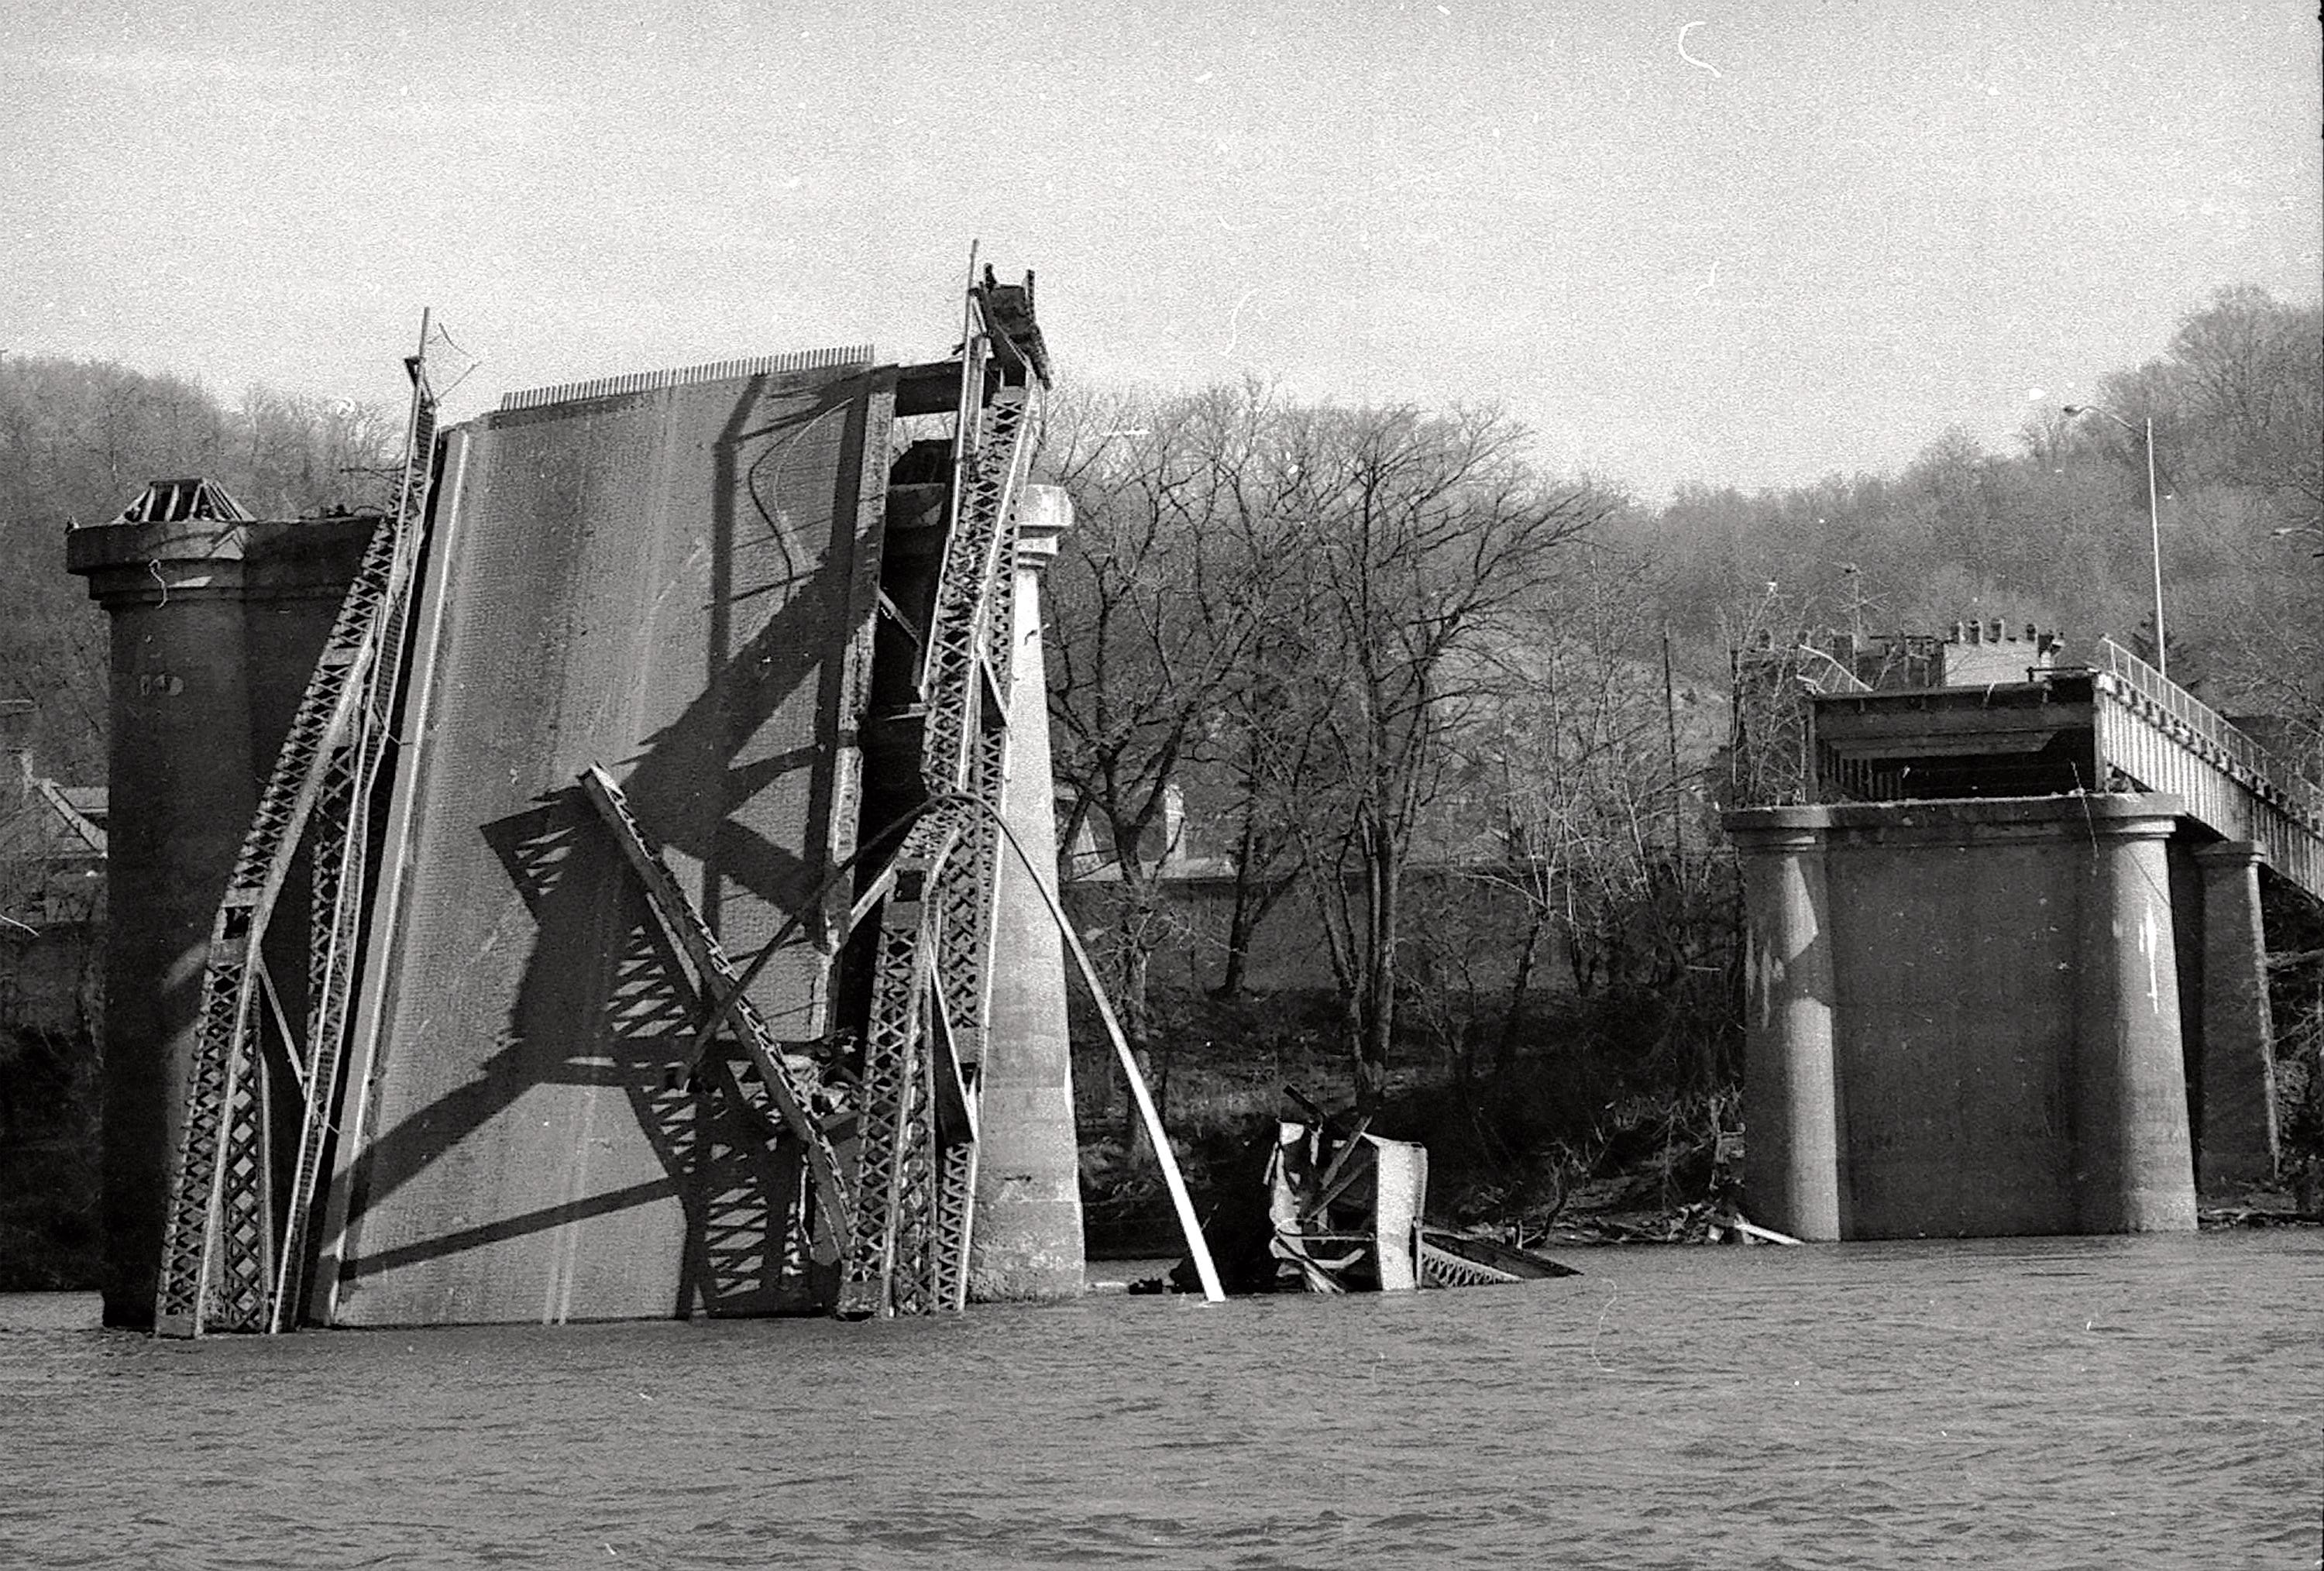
[(2055, 531), (78, 441)]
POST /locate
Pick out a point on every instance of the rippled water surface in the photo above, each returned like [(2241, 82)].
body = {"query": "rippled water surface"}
[(2057, 1402)]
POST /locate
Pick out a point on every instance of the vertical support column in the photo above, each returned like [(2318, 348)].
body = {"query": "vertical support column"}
[(199, 703), (1029, 1204), (1791, 1107), (2238, 1140), (2187, 948), (2133, 1168)]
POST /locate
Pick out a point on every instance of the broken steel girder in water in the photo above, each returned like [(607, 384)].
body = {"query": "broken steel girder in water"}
[(233, 1254), (1346, 1207)]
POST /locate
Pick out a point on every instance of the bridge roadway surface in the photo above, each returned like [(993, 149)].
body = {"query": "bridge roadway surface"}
[(676, 581)]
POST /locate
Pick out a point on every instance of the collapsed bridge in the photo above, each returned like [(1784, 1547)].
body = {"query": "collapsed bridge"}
[(623, 925)]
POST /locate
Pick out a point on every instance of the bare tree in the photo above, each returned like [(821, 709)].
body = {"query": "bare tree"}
[(1155, 602), (1611, 841), (1265, 854), (2239, 397), (1416, 542)]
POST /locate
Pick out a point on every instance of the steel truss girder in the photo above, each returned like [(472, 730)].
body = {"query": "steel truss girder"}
[(233, 1252), (916, 1175)]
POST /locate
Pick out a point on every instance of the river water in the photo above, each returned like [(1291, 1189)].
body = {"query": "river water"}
[(2056, 1402)]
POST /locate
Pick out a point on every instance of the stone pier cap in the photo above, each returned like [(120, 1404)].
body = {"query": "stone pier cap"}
[(206, 557), (1935, 820), (1045, 514)]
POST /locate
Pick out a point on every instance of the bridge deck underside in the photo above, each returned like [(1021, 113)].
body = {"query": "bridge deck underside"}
[(2125, 728), (677, 583), (2012, 742)]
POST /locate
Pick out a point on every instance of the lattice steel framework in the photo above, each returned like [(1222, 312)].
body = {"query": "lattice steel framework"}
[(176, 500), (233, 1251)]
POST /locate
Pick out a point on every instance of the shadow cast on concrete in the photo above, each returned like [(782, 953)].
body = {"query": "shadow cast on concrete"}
[(602, 1000)]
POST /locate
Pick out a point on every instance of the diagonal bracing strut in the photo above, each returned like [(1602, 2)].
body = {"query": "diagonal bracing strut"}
[(718, 979)]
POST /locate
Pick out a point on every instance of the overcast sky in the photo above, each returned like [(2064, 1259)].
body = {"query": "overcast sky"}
[(1747, 243)]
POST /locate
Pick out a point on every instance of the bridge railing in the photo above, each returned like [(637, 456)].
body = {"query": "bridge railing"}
[(2295, 795)]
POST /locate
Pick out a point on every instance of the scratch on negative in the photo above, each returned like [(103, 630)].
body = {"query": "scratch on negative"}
[(1690, 60), (1613, 1291), (1234, 321)]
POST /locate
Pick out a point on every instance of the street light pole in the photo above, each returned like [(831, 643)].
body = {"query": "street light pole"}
[(2154, 556), (2154, 521)]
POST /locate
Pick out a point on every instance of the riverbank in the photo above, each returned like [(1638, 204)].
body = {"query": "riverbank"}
[(1600, 1125), (1580, 1120)]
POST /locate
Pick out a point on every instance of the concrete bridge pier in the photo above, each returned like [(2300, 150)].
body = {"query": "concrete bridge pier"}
[(1963, 1018), (2237, 1065), (1028, 1241), (1791, 1156), (2133, 1158), (215, 628)]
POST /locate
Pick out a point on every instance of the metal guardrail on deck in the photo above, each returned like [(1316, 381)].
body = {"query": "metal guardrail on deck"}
[(2180, 743)]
